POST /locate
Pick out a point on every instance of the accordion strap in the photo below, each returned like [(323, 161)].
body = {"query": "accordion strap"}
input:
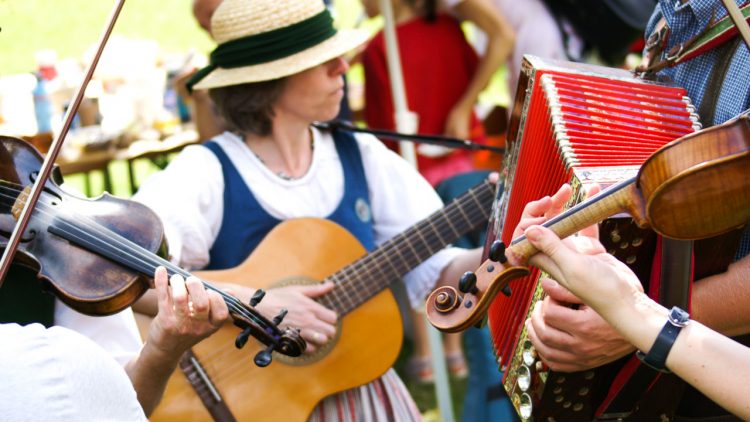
[(714, 35), (670, 285)]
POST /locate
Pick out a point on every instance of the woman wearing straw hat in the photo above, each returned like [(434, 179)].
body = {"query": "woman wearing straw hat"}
[(277, 69)]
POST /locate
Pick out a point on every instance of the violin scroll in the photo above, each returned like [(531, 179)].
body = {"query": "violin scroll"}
[(449, 311), (288, 341)]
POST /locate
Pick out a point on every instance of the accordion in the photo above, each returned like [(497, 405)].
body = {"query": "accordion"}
[(577, 124)]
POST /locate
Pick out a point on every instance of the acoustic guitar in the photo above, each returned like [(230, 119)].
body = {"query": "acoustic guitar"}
[(220, 382)]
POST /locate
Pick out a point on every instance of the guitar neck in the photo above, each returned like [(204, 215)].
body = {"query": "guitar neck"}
[(369, 275)]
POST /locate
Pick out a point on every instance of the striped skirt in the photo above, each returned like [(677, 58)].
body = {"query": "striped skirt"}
[(385, 399)]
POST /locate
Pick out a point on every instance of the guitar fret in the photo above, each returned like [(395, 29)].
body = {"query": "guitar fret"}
[(370, 274)]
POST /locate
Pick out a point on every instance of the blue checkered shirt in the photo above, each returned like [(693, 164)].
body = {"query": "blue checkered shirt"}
[(686, 21)]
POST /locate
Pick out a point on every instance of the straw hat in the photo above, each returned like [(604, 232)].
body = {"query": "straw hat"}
[(299, 30)]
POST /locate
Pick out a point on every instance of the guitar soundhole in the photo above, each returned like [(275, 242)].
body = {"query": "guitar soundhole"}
[(320, 351)]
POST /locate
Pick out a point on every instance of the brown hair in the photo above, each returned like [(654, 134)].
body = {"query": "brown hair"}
[(425, 8), (248, 108)]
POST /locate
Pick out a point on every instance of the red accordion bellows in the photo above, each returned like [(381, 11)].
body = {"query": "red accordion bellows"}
[(575, 124)]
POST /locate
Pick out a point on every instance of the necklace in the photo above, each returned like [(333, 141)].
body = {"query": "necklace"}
[(282, 174)]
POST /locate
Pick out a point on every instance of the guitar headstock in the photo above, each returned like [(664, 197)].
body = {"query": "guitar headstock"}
[(452, 310)]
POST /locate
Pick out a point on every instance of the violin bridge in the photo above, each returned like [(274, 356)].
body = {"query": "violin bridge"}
[(20, 202)]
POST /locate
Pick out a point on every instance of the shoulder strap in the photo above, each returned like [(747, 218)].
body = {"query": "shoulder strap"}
[(716, 34)]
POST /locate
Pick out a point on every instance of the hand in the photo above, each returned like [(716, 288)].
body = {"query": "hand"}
[(541, 210), (581, 265), (570, 339), (458, 121), (315, 321), (179, 84), (187, 314)]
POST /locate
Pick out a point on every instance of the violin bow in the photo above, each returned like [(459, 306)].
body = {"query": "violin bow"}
[(54, 151)]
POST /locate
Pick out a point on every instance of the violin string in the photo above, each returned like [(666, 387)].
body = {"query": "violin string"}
[(135, 254), (131, 250), (233, 303)]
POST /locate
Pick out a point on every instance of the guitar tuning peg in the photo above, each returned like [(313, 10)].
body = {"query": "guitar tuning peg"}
[(468, 283), (280, 317), (242, 337), (497, 252), (264, 357), (257, 297)]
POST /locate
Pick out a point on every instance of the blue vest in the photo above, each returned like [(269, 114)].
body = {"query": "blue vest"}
[(245, 223)]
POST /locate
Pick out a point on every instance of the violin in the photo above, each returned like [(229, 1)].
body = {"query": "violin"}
[(693, 188), (99, 255)]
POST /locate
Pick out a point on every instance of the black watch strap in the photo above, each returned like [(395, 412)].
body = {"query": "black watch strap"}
[(656, 357)]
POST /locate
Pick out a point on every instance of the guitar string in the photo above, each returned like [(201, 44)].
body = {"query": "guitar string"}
[(389, 261), (388, 249), (371, 263), (433, 227), (349, 277), (448, 223)]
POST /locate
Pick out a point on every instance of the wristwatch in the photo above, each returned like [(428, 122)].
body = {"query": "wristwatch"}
[(656, 357)]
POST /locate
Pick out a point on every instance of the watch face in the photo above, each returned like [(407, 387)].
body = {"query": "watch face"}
[(679, 317)]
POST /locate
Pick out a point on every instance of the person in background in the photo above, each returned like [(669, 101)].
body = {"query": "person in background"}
[(440, 74), (208, 122), (566, 29), (275, 165), (443, 77)]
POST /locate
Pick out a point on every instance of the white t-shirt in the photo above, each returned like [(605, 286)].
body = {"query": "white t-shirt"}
[(117, 334), (58, 375), (189, 196)]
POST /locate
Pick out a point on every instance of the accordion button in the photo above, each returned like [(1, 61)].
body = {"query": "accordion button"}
[(524, 378), (525, 407)]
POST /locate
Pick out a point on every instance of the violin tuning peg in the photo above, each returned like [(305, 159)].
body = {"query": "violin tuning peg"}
[(280, 317), (264, 357), (497, 252), (242, 337), (481, 322), (257, 297), (468, 283), (506, 290)]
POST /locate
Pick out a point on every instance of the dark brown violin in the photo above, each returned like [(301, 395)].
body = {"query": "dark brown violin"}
[(692, 188), (99, 256)]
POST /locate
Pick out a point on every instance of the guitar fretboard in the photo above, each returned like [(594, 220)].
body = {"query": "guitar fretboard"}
[(367, 276)]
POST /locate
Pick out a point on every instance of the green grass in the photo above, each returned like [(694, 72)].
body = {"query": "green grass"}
[(72, 26), (424, 393)]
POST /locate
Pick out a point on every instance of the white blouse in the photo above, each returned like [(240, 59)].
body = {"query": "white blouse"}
[(189, 197), (57, 375)]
